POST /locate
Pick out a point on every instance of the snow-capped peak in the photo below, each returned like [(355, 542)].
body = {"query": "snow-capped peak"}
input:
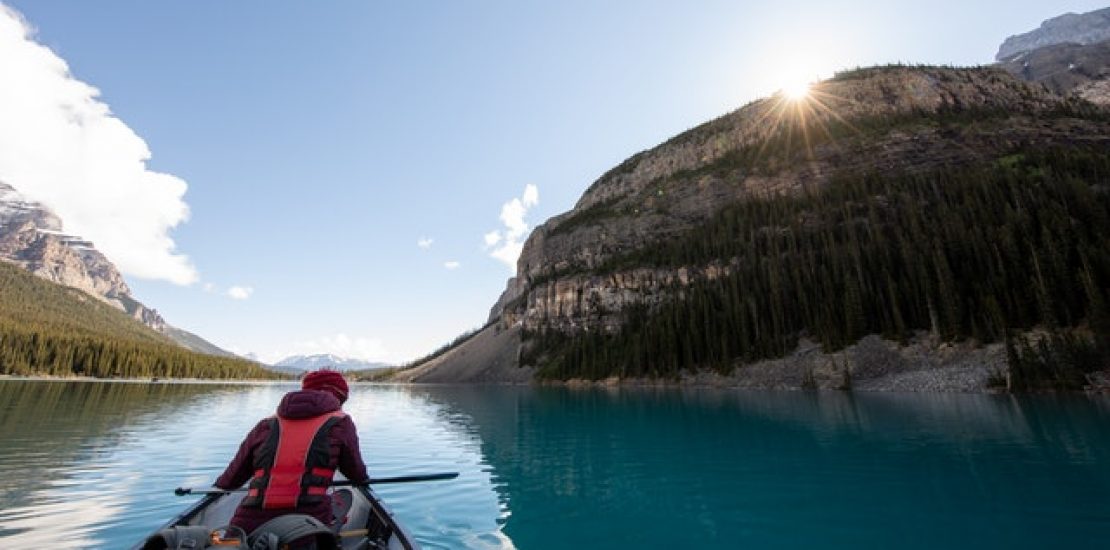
[(328, 360)]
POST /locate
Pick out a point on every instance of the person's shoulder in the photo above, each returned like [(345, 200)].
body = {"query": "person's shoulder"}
[(344, 422), (264, 425)]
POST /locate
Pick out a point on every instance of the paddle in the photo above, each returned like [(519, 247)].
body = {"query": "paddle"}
[(182, 491)]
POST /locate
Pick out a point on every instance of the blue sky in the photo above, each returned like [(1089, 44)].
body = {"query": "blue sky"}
[(320, 141)]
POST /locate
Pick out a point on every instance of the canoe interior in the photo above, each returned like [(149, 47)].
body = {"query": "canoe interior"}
[(367, 514)]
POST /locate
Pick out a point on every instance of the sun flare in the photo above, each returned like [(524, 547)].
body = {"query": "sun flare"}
[(796, 90)]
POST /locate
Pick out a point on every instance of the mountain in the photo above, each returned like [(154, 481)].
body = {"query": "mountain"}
[(327, 360), (1080, 70), (31, 237), (1070, 28), (47, 328), (1070, 55), (896, 223)]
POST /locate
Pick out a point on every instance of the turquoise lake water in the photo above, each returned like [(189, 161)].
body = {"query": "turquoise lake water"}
[(93, 465)]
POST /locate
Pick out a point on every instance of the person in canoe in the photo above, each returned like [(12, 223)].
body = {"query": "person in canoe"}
[(290, 458)]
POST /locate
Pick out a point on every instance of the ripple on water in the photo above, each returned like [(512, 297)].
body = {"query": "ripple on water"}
[(555, 469), (107, 478)]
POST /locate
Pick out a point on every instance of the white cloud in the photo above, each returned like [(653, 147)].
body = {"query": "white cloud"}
[(209, 287), (507, 244), (531, 196), (512, 215), (367, 349), (508, 253), (61, 146), (451, 264), (425, 242), (240, 292), (492, 238)]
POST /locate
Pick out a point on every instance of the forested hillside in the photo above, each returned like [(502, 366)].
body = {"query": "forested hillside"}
[(50, 329), (964, 252), (933, 208)]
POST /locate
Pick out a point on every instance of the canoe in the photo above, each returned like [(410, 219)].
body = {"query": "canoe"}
[(369, 525)]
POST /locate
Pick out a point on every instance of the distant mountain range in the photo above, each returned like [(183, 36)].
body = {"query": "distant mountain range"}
[(326, 360)]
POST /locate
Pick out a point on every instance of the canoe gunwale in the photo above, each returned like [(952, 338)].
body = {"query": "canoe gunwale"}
[(384, 514)]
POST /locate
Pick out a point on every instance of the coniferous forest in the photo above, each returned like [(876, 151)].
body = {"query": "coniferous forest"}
[(53, 330), (970, 252)]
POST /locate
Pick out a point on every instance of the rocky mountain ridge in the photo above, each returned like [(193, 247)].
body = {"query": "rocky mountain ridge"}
[(1069, 28), (1070, 55), (583, 271), (1068, 69), (653, 267), (32, 237), (661, 193)]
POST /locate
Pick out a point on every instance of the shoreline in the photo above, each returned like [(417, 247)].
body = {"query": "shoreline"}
[(923, 364), (698, 381), (76, 378)]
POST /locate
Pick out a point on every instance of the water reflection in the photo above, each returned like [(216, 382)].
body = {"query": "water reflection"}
[(663, 467), (62, 476), (92, 465), (404, 431)]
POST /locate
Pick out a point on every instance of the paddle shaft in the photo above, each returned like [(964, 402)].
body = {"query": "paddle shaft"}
[(182, 491)]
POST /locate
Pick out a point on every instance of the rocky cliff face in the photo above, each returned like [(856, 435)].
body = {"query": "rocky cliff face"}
[(1069, 54), (32, 237), (1068, 69), (771, 146), (595, 269), (1070, 28)]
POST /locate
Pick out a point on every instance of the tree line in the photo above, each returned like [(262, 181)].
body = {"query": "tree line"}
[(37, 350), (47, 329)]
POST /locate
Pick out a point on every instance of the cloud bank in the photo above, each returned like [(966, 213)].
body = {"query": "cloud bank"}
[(451, 264), (505, 244), (425, 243), (61, 146)]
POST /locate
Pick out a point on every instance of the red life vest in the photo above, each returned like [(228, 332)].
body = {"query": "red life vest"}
[(293, 468)]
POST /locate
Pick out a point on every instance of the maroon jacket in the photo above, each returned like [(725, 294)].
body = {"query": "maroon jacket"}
[(345, 455)]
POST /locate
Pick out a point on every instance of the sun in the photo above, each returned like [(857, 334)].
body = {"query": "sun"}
[(795, 75), (797, 90)]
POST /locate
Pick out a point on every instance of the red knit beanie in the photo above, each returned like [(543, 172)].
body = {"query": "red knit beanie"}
[(326, 380)]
